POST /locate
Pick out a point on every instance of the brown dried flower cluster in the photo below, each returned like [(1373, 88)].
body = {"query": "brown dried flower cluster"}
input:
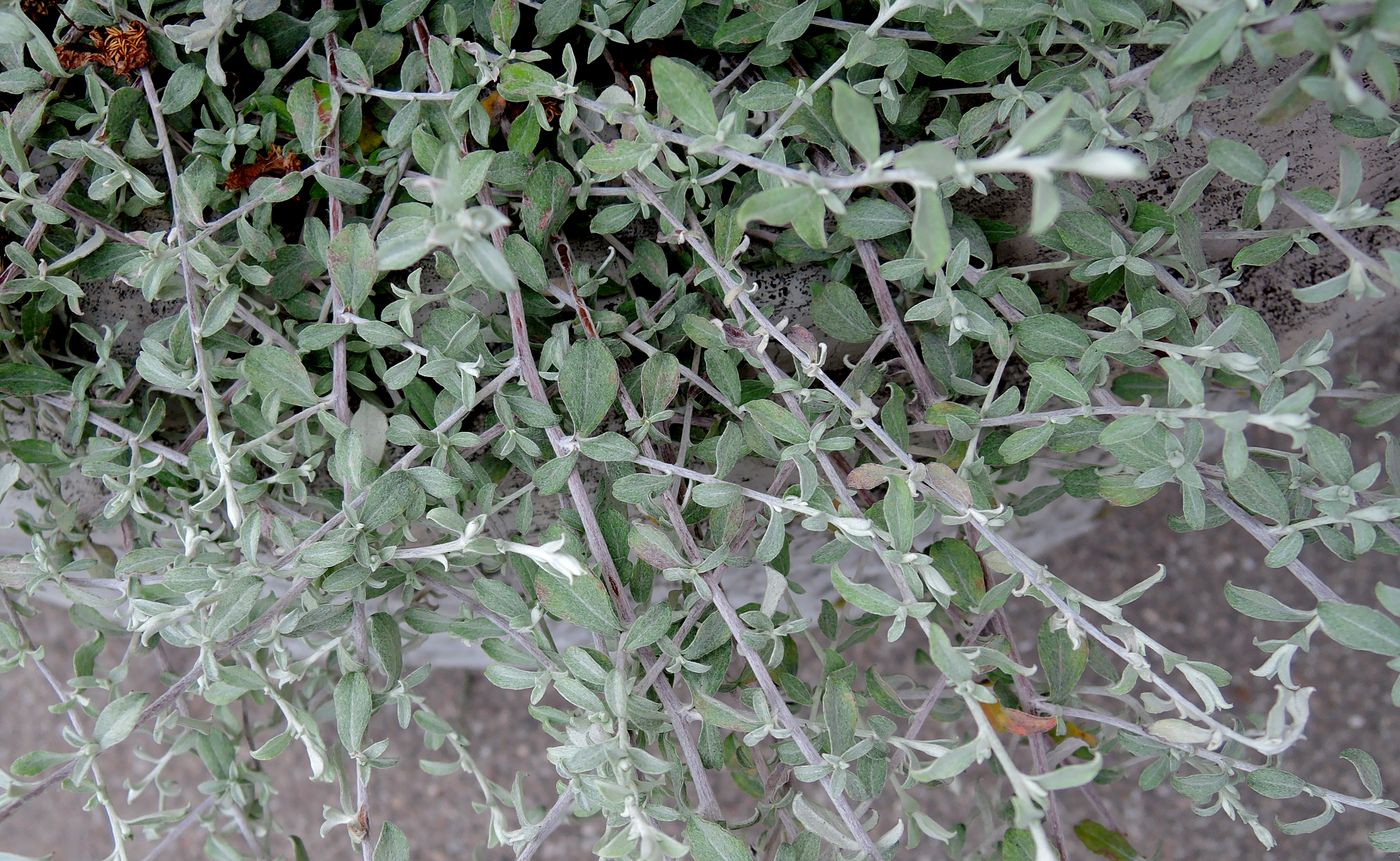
[(42, 12), (275, 162), (124, 50)]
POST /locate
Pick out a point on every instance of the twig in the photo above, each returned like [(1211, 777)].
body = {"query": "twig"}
[(892, 320), (115, 825), (1039, 751), (193, 311), (274, 612), (786, 717), (593, 536), (168, 841), (546, 827), (1229, 762), (1217, 497), (55, 195)]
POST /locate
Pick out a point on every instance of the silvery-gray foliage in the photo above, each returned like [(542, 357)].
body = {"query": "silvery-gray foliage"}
[(366, 365)]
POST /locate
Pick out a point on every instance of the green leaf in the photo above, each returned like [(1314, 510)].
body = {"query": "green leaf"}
[(489, 263), (949, 765), (872, 218), (311, 112), (504, 21), (1086, 233), (711, 842), (716, 494), (1378, 411), (657, 20), (581, 600), (1258, 605), (840, 713), (388, 497), (1070, 776), (1118, 12), (558, 16), (352, 709), (182, 88), (350, 258), (396, 15), (1050, 335), (839, 312), (1044, 123), (961, 568), (547, 202), (234, 604), (613, 158), (1052, 374), (1389, 598), (640, 487), (392, 845), (1026, 442), (1275, 783), (796, 205), (384, 638), (521, 81), (1256, 491), (792, 24), (863, 596), (1361, 628), (588, 384), (1018, 845), (273, 371), (1062, 662), (1285, 551), (1366, 769), (948, 659), (1386, 841), (37, 762), (930, 229), (682, 92), (610, 447), (899, 514), (1309, 825), (1199, 46), (1329, 456), (118, 719), (822, 824), (1237, 160), (777, 421), (856, 120), (649, 627), (982, 63), (1101, 840), (1263, 252), (27, 380), (660, 381)]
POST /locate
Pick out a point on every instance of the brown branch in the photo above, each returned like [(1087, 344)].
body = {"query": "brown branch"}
[(891, 319)]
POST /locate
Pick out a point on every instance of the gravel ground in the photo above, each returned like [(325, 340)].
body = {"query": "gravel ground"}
[(1187, 612)]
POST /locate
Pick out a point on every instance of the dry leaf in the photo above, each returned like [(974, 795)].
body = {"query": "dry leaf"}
[(1015, 721)]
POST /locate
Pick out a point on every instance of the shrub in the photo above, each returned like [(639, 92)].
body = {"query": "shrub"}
[(376, 336)]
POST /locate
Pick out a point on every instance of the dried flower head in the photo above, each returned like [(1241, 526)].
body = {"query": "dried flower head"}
[(42, 12), (124, 49)]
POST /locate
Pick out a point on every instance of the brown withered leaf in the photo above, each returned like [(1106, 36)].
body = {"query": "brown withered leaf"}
[(274, 162), (1015, 721), (867, 476)]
